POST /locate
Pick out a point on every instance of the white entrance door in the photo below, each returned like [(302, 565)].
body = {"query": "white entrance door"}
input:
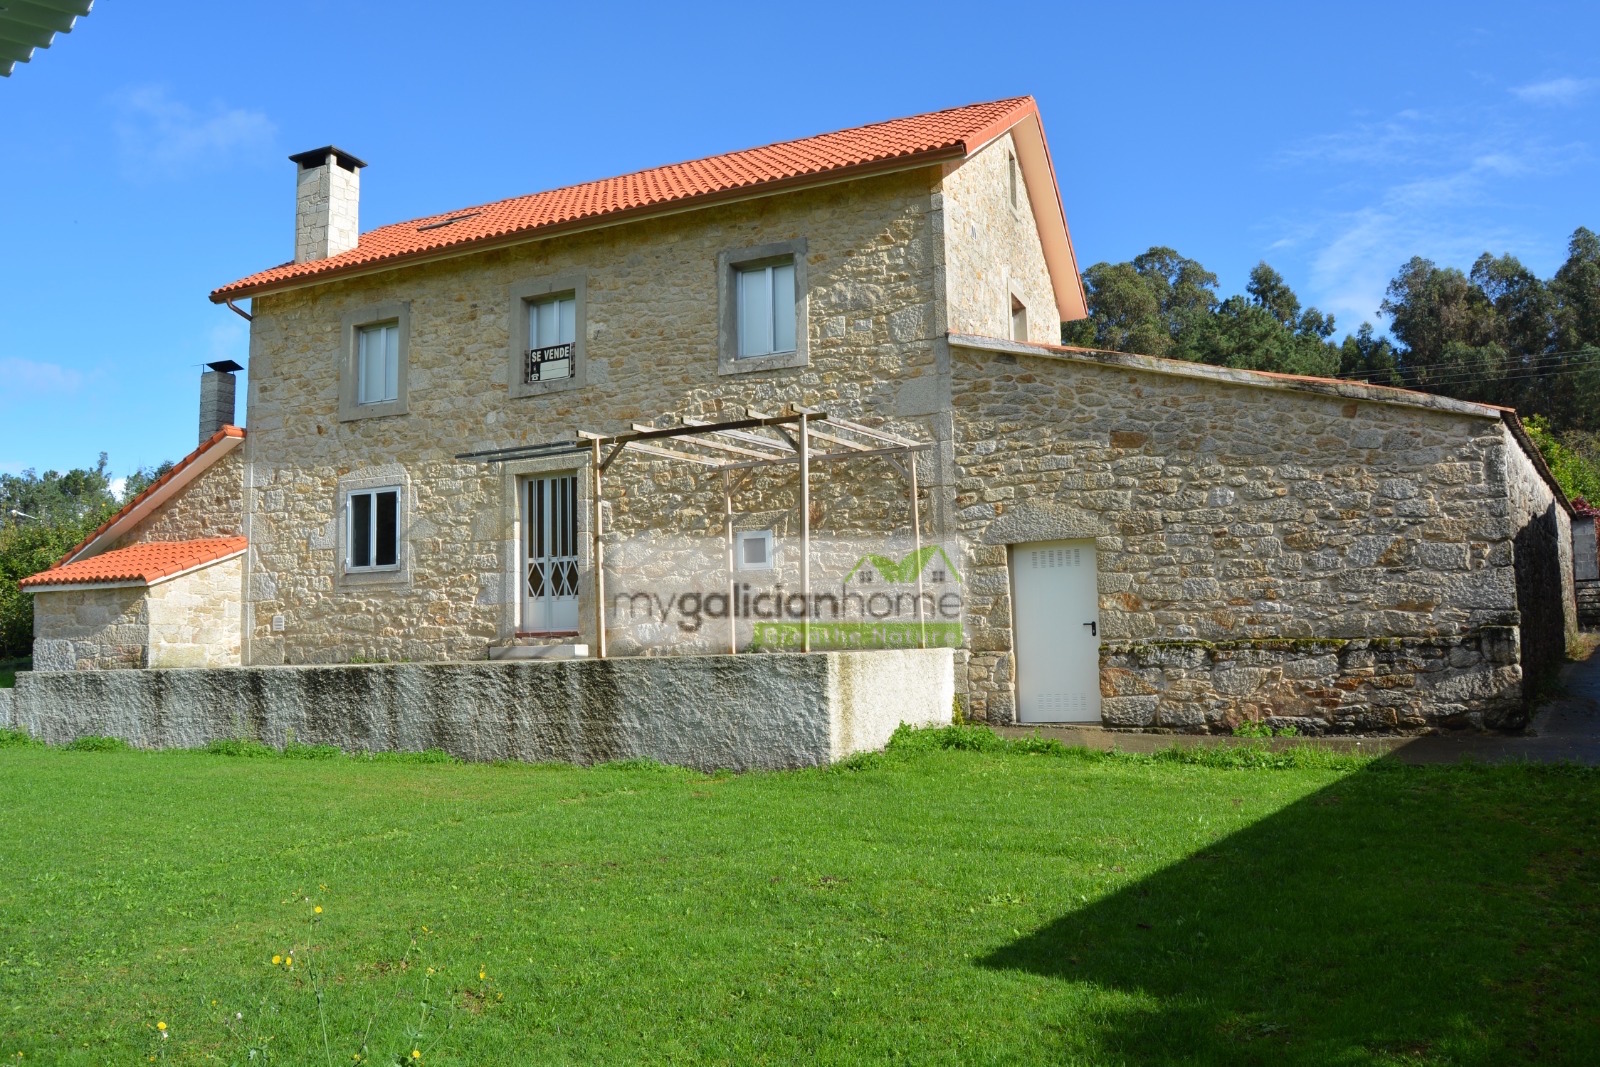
[(1056, 624), (550, 554)]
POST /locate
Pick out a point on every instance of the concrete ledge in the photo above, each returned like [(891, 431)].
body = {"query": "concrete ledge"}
[(752, 712)]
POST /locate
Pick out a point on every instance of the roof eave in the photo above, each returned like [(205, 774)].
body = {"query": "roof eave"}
[(129, 583)]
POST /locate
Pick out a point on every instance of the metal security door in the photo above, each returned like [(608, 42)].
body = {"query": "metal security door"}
[(550, 527), (1056, 631)]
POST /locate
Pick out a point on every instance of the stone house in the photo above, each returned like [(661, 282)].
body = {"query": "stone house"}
[(1105, 537)]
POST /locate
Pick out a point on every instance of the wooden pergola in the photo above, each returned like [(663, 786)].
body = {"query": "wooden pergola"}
[(738, 448)]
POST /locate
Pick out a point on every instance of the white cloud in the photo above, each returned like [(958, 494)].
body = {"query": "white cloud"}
[(161, 136), (24, 377), (1560, 92), (1418, 183), (117, 486)]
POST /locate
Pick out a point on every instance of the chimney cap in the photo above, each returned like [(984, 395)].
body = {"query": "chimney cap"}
[(318, 157), (225, 366)]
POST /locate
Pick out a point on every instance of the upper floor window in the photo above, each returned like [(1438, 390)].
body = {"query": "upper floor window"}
[(761, 308), (378, 363), (547, 333), (373, 364), (373, 537), (552, 325), (766, 309)]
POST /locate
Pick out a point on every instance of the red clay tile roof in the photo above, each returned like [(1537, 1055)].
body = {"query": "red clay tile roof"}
[(235, 432), (940, 135), (146, 562)]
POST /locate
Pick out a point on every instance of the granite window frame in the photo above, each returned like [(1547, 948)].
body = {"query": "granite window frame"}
[(729, 263), (374, 480), (350, 327), (522, 296)]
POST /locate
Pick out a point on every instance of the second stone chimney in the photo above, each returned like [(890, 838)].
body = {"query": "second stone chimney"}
[(326, 202), (216, 397)]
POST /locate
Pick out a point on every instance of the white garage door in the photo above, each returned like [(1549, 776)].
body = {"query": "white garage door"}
[(1056, 631)]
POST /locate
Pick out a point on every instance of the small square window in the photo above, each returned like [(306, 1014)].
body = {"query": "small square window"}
[(766, 309), (1019, 320), (552, 326), (752, 550), (372, 540), (378, 363)]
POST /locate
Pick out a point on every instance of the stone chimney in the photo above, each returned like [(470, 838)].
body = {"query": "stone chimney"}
[(216, 397), (327, 196)]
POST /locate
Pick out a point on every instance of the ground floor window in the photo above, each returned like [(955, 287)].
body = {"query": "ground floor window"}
[(373, 537)]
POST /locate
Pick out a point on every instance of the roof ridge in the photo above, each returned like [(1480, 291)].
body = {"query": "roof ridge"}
[(1011, 100)]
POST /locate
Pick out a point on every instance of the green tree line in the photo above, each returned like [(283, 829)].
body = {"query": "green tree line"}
[(1497, 333), (41, 518)]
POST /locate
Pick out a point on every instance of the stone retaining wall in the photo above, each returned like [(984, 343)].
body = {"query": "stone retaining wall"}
[(1409, 684), (758, 712)]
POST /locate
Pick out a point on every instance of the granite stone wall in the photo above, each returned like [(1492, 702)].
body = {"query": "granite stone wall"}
[(1239, 515), (992, 250), (1542, 547), (210, 506), (195, 618), (1316, 686), (188, 621), (90, 629)]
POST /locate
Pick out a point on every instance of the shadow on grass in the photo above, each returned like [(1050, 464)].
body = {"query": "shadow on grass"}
[(1402, 915)]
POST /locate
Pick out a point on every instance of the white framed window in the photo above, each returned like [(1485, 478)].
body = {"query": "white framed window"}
[(1019, 320), (378, 363), (375, 342), (765, 313), (372, 530), (752, 550), (552, 328)]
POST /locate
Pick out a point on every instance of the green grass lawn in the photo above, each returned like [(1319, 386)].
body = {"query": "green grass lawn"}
[(933, 906)]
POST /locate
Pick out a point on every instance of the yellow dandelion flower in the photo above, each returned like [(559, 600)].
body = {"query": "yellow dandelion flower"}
[(416, 1054), (288, 961), (161, 1026), (317, 909), (430, 970), (482, 976), (276, 959)]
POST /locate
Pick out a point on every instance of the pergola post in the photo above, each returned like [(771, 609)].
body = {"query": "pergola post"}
[(916, 539), (805, 530), (733, 584), (599, 558)]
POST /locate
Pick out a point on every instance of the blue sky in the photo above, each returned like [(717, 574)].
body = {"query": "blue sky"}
[(145, 151)]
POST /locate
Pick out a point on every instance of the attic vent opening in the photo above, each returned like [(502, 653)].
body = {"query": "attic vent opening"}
[(448, 221)]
